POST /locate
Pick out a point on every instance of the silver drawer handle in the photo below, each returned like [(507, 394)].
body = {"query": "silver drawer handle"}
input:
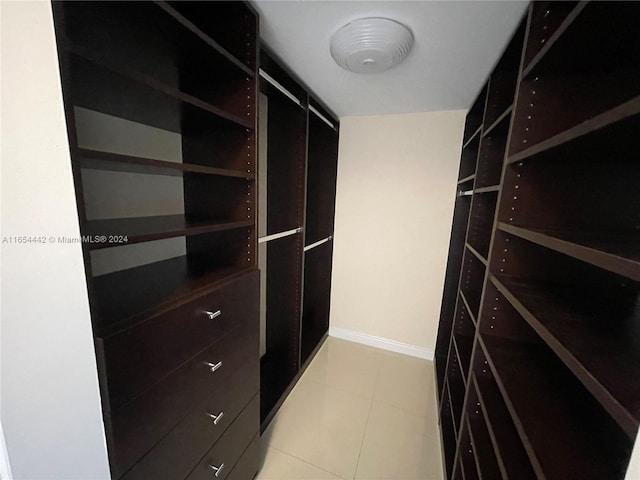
[(213, 366), (216, 418), (213, 315), (218, 470)]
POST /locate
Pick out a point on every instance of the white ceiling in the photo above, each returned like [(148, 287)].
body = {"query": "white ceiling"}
[(456, 45)]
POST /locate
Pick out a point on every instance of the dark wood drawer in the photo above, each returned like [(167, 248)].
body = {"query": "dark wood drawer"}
[(228, 450), (136, 427), (136, 358), (249, 463), (178, 452)]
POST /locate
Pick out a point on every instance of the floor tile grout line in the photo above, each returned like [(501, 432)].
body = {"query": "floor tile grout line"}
[(405, 410), (306, 462), (340, 389), (366, 425)]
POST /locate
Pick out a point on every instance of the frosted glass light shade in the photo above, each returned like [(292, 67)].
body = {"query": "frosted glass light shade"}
[(371, 45)]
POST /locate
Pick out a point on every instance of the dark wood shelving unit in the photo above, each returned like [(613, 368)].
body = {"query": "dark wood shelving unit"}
[(449, 440), (498, 121), (316, 298), (503, 80), (547, 22), (138, 52), (322, 165), (468, 454), (93, 68), (616, 252), (161, 116), (126, 297), (473, 125), (463, 333), (98, 160), (548, 260), (468, 309), (483, 207), (145, 229), (472, 275), (226, 28), (582, 344), (298, 183), (597, 72), (491, 156), (485, 454), (282, 198), (469, 160), (569, 421), (510, 453), (593, 125), (466, 179), (280, 364)]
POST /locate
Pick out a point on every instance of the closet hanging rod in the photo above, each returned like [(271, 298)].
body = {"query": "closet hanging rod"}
[(322, 117), (275, 236), (279, 87), (318, 243)]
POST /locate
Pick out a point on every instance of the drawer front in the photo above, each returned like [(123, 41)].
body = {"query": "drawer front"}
[(135, 428), (138, 357), (177, 453), (228, 450), (249, 462)]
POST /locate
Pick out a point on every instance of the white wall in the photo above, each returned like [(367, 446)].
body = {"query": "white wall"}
[(396, 188), (633, 472), (50, 410)]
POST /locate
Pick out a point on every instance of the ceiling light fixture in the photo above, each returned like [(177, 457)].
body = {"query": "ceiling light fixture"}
[(371, 45)]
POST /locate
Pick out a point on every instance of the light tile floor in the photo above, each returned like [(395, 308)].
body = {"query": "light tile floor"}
[(357, 413)]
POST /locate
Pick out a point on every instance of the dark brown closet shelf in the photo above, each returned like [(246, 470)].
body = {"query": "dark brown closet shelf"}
[(454, 345), (472, 137), (485, 456), (453, 421), (126, 297), (616, 114), (497, 122), (97, 160), (602, 357), (469, 455), (547, 422), (554, 38), (512, 459), (466, 304), (464, 346), (144, 229), (158, 86), (456, 388), (492, 188), (617, 252), (476, 254), (448, 436), (204, 37), (466, 179)]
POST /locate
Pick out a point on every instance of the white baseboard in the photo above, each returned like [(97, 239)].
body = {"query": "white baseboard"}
[(382, 343)]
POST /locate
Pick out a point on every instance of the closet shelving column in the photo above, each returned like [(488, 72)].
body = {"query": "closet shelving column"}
[(160, 106), (322, 165), (484, 145), (299, 154), (567, 237), (555, 359), (462, 207), (283, 171)]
